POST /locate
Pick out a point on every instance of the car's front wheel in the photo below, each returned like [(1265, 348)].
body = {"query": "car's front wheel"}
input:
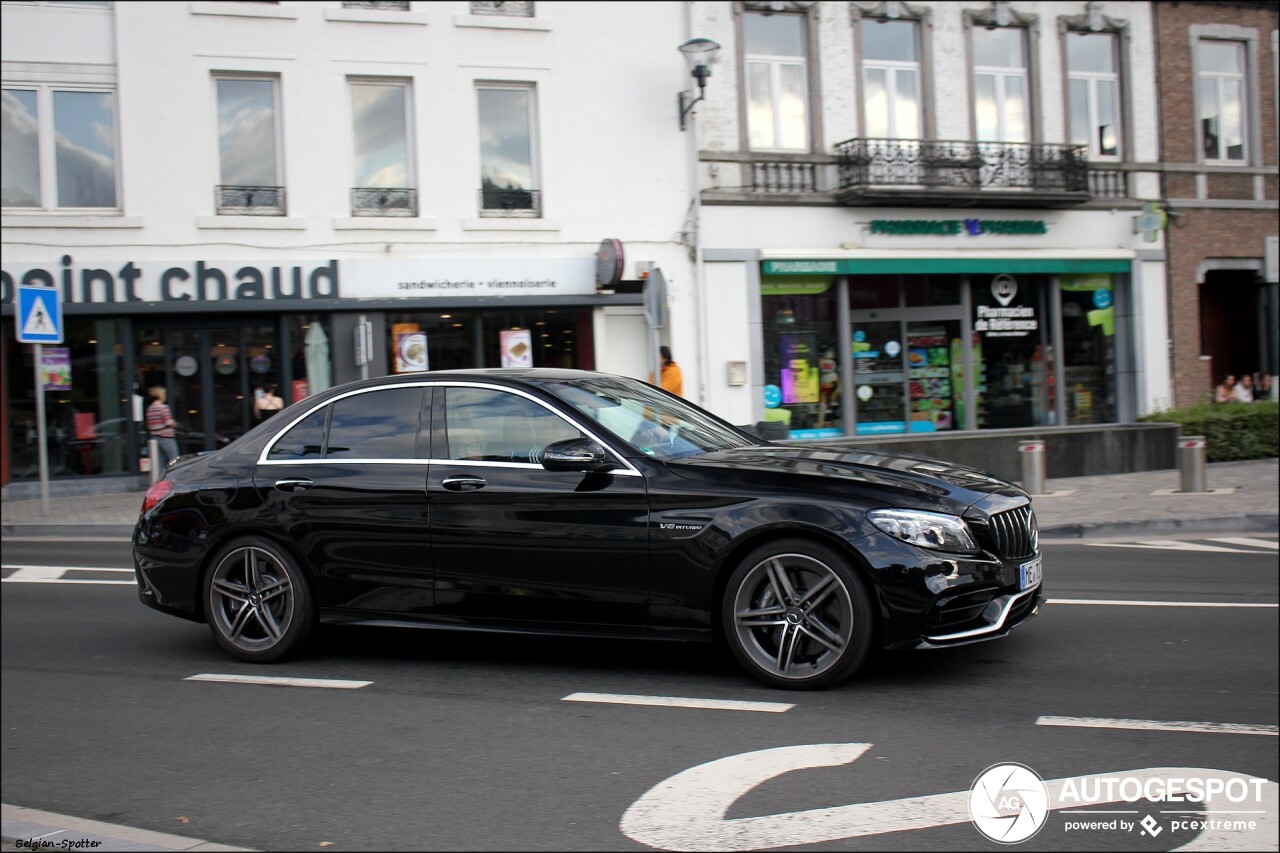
[(257, 601), (796, 616)]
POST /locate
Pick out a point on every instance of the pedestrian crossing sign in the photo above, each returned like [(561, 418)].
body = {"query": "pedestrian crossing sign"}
[(39, 316)]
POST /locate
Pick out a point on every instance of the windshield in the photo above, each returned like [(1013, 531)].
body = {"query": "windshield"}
[(650, 421)]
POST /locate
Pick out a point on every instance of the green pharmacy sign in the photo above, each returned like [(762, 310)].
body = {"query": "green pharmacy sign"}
[(972, 227)]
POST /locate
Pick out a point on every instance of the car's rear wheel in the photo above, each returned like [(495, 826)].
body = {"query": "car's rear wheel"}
[(796, 616), (257, 601)]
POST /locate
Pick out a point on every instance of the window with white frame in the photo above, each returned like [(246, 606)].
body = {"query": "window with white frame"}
[(891, 79), (1002, 96), (249, 145), (777, 81), (1221, 100), (510, 8), (59, 148), (508, 168), (1093, 85), (384, 182)]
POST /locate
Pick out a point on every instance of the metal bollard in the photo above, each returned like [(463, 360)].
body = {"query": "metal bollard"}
[(1191, 462), (1031, 455), (152, 453)]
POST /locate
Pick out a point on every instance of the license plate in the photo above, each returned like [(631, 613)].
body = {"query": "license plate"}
[(1029, 574)]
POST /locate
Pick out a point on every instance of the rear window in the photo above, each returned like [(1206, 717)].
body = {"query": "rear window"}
[(304, 441)]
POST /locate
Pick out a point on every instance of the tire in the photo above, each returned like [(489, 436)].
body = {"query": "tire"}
[(258, 602), (796, 616)]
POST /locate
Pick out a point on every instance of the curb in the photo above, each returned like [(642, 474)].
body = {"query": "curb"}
[(1252, 522), (39, 830)]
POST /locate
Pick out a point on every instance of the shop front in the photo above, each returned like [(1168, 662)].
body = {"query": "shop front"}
[(886, 346), (221, 336)]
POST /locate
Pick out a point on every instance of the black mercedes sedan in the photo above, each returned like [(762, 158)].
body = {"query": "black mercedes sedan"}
[(572, 502)]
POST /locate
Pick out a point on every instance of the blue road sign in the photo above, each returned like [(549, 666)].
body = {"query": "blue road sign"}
[(39, 316)]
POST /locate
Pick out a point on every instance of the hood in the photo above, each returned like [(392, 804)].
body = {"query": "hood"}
[(878, 471)]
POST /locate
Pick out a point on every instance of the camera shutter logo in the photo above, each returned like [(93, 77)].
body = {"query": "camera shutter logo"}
[(1008, 803)]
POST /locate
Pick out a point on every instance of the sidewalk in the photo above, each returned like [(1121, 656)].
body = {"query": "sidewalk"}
[(1242, 496)]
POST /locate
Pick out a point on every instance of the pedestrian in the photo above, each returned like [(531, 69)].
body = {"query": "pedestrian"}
[(1243, 391), (1226, 390), (672, 379), (160, 424), (268, 404), (1262, 390)]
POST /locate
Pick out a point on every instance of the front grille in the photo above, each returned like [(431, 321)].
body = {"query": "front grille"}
[(1014, 533)]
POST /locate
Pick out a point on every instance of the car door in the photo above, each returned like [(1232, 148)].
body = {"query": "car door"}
[(346, 484), (515, 542)]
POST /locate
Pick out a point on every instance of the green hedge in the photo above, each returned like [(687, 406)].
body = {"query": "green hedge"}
[(1232, 430)]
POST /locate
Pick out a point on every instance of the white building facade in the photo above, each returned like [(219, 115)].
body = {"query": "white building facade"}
[(234, 196), (925, 217)]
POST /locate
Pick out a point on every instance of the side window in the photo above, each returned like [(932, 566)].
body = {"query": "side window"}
[(495, 426), (375, 425), (304, 441)]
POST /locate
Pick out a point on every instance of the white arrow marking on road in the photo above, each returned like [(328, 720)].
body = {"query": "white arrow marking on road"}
[(1246, 541), (687, 811), (1159, 725)]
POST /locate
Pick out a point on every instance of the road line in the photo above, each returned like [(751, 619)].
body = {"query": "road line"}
[(279, 681), (1122, 603), (1159, 725), (1169, 546), (679, 702), (34, 571), (1251, 543), (68, 580)]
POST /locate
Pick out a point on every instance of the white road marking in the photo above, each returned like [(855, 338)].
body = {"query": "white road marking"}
[(1159, 725), (1123, 603), (687, 811), (679, 702), (1252, 543), (1170, 546), (32, 571), (281, 681), (68, 580)]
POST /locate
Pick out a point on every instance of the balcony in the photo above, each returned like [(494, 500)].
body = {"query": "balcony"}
[(510, 202), (384, 201), (961, 173), (249, 201)]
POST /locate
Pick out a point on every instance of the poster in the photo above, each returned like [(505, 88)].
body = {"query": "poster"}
[(410, 344), (517, 347), (55, 368), (800, 369)]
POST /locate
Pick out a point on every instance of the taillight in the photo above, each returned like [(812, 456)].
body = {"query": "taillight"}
[(158, 492)]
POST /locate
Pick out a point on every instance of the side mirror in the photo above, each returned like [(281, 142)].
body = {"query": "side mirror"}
[(574, 454)]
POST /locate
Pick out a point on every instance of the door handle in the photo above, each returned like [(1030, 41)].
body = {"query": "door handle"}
[(293, 484), (463, 484)]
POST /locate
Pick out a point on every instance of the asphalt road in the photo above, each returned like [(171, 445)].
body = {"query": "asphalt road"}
[(465, 741)]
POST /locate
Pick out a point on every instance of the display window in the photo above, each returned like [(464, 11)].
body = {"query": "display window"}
[(802, 367), (1013, 358), (1088, 348), (463, 339)]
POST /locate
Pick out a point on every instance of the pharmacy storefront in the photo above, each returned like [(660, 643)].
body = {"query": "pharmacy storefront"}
[(929, 342), (219, 335)]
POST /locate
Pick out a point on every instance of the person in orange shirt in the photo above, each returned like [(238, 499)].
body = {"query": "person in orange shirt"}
[(672, 379)]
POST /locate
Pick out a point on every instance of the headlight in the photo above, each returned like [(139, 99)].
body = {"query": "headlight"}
[(933, 530)]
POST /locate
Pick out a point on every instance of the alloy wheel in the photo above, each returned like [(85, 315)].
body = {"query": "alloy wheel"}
[(251, 599)]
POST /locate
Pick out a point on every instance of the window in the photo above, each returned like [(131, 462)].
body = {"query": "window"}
[(891, 79), (777, 81), (383, 5), (1001, 92), (1093, 82), (248, 134), (304, 441), (384, 180), (1222, 100), (375, 425), (496, 426), (510, 8), (59, 148), (507, 167)]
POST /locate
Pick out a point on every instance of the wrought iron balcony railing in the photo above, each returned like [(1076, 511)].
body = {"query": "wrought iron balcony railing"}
[(252, 201), (384, 201), (919, 171), (498, 202)]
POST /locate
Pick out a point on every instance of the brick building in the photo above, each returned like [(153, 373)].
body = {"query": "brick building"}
[(1217, 77)]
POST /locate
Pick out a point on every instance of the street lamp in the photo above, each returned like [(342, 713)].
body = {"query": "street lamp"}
[(699, 53)]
